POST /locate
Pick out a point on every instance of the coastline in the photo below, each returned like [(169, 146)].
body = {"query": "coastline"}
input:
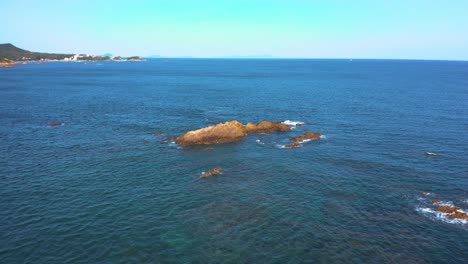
[(12, 64)]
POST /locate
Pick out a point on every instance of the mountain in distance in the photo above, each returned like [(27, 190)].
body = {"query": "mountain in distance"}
[(10, 52)]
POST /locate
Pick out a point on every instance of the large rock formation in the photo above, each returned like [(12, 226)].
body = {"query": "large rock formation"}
[(222, 133), (232, 131), (306, 136)]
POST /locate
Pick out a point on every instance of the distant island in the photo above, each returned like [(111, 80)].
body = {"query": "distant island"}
[(10, 55)]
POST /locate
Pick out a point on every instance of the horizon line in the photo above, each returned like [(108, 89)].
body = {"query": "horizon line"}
[(294, 58)]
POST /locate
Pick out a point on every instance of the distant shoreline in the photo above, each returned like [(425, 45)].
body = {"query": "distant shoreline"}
[(10, 55)]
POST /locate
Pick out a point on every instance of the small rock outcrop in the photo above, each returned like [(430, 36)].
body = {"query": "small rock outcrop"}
[(293, 145), (213, 172), (54, 124), (266, 127), (447, 209), (306, 136), (228, 132), (458, 215), (453, 212), (436, 201)]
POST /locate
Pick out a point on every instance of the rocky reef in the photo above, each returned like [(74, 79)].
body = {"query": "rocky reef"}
[(213, 172), (266, 127), (305, 137), (293, 145), (453, 212), (228, 132)]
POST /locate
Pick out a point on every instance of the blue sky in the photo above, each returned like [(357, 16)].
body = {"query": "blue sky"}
[(395, 29)]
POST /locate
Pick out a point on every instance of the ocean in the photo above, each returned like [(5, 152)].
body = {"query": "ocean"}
[(101, 188)]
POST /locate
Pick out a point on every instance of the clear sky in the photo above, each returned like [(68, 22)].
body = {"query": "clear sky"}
[(409, 29)]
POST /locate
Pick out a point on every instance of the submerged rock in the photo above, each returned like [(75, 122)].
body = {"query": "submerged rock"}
[(293, 145), (306, 136), (228, 132), (158, 134), (213, 172), (54, 124)]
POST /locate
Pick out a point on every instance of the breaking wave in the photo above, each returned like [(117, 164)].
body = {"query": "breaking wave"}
[(292, 123), (429, 203)]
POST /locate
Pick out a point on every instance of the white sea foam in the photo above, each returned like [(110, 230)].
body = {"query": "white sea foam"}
[(260, 142), (431, 153), (284, 146), (173, 144), (323, 137), (428, 209), (292, 123), (440, 216)]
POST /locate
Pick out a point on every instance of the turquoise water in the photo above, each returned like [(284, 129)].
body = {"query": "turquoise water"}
[(102, 189)]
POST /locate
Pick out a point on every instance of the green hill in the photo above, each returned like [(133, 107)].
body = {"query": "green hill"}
[(9, 51)]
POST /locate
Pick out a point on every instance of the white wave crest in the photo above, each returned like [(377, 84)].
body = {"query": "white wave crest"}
[(292, 123), (435, 215)]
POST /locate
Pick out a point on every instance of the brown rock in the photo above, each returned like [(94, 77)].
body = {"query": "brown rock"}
[(222, 133), (250, 127), (447, 209), (436, 201), (293, 145), (54, 124), (213, 172), (306, 136), (458, 215), (232, 131), (267, 127)]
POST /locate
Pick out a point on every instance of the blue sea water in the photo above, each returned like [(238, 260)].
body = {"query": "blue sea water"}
[(102, 189)]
